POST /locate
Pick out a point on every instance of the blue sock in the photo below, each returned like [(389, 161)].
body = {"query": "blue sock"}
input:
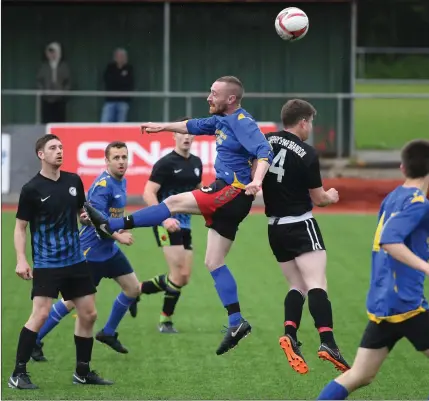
[(147, 217), (119, 309), (57, 312), (333, 391), (226, 288)]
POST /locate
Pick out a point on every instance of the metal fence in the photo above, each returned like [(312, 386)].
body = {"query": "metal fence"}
[(342, 130)]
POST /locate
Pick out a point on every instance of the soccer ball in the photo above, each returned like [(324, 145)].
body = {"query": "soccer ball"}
[(291, 24)]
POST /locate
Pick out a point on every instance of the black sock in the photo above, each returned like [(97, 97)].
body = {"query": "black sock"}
[(294, 302), (233, 308), (171, 297), (26, 343), (321, 310), (83, 354), (154, 285)]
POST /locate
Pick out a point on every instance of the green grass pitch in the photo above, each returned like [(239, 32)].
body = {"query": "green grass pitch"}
[(390, 123), (185, 366)]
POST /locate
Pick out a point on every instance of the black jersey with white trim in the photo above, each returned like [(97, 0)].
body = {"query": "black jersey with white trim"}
[(295, 169)]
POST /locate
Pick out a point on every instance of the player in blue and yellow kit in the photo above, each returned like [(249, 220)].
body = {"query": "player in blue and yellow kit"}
[(104, 258), (226, 202), (396, 304)]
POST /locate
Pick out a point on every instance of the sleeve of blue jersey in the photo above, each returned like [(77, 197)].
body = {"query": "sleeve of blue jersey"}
[(202, 126), (400, 225), (252, 139), (99, 197)]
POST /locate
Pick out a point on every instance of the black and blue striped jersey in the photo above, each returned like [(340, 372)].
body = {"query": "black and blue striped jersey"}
[(51, 208)]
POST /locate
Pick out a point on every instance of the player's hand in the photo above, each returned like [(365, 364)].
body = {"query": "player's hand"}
[(24, 271), (171, 225), (333, 195), (84, 219), (124, 238), (253, 188), (152, 127)]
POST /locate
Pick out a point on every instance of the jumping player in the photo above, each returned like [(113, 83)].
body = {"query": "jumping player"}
[(177, 172), (290, 188), (225, 203), (396, 304), (50, 202), (103, 256)]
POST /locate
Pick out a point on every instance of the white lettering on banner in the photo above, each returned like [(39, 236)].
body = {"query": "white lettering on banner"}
[(5, 163), (204, 149)]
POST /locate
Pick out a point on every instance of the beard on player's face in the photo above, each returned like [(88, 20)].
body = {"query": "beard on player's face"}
[(218, 108)]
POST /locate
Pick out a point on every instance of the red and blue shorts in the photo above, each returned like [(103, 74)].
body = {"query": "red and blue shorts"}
[(223, 206)]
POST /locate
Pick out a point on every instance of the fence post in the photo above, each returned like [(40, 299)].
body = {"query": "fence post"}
[(166, 62), (340, 127), (38, 108), (189, 107)]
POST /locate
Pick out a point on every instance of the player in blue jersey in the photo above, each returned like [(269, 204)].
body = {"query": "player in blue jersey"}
[(396, 304), (50, 203), (178, 171), (104, 258), (224, 203)]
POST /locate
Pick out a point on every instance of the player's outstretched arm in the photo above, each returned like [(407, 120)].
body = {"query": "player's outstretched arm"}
[(179, 127)]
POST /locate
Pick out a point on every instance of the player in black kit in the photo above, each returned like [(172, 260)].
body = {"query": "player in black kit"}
[(290, 189), (50, 203), (177, 172)]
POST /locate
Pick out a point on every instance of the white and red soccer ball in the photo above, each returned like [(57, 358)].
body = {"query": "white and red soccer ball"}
[(291, 24)]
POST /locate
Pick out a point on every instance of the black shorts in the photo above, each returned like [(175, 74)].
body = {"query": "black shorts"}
[(223, 207), (288, 241), (116, 266), (385, 334), (72, 282), (182, 237)]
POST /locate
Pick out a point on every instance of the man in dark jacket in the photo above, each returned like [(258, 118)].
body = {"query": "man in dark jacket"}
[(54, 74), (118, 77)]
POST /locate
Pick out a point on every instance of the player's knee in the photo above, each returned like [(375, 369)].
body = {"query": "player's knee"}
[(212, 263), (173, 203), (41, 314), (133, 291), (88, 317), (38, 318), (184, 278)]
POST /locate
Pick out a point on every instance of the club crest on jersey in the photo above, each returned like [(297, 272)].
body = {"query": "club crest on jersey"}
[(72, 191), (197, 172)]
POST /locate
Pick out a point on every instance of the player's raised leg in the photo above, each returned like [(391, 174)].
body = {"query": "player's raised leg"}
[(58, 311), (293, 306), (147, 217), (20, 379), (84, 341), (312, 266)]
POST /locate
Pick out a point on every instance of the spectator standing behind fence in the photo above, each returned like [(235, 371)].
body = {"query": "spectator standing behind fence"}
[(118, 77), (54, 74)]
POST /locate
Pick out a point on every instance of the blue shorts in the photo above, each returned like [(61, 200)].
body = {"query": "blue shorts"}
[(116, 266)]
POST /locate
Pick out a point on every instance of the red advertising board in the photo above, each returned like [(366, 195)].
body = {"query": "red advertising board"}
[(84, 146)]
